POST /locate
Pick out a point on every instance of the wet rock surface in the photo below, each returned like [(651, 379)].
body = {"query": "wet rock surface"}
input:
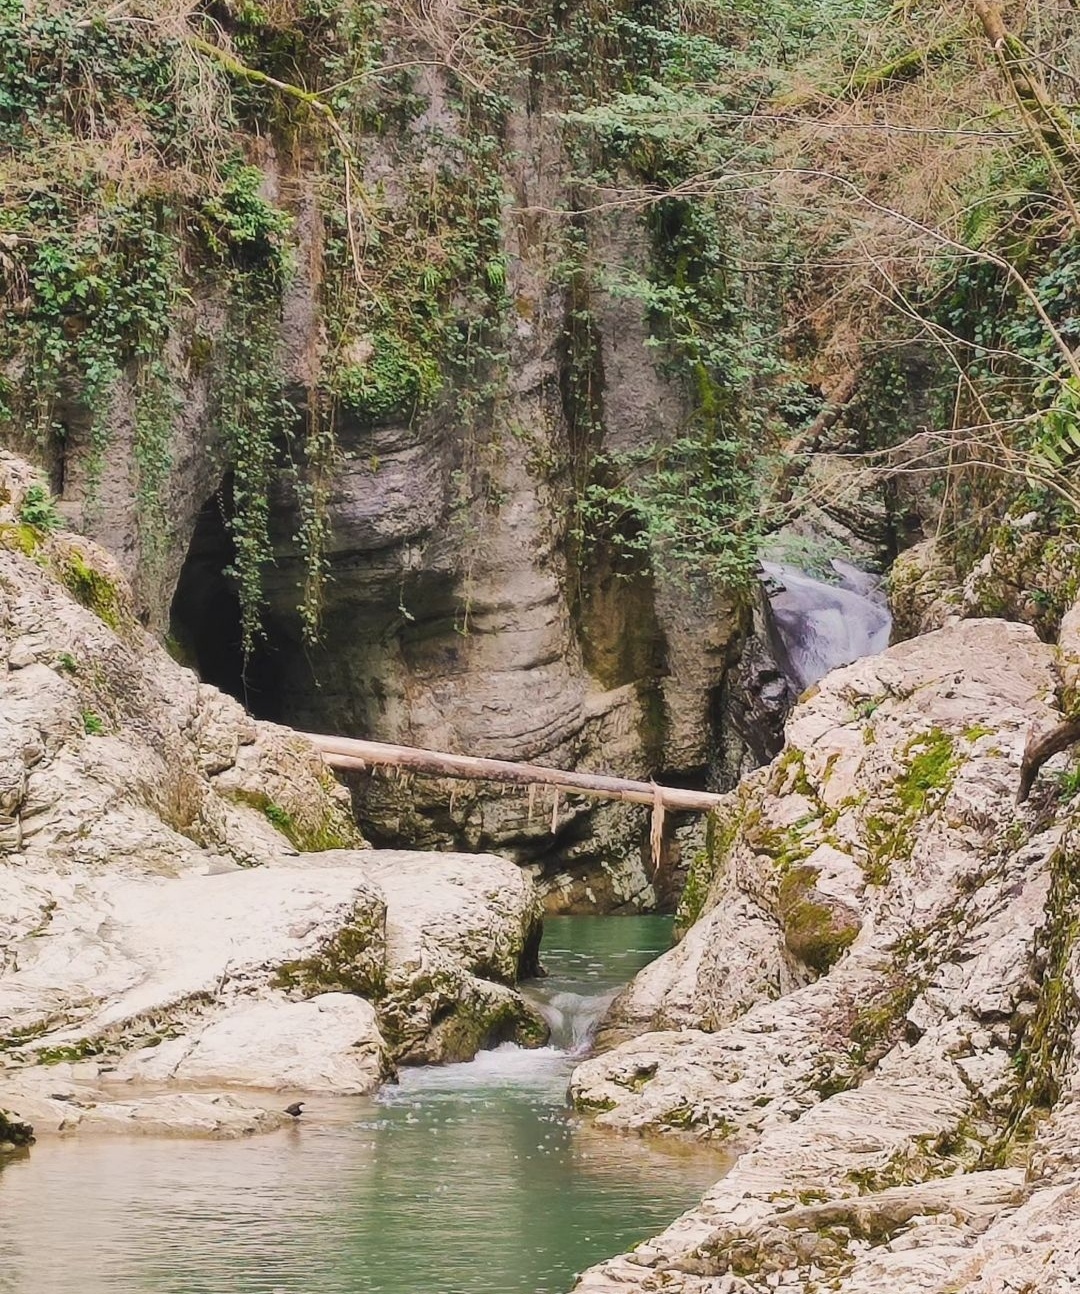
[(16, 1137)]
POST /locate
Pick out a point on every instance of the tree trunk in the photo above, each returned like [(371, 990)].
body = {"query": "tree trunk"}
[(1039, 749), (351, 753)]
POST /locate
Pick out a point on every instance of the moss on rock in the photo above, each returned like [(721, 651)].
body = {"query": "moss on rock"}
[(90, 587), (350, 961), (18, 537), (310, 829), (721, 830), (816, 931)]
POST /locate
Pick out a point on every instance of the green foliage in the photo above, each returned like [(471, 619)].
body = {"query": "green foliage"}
[(93, 725), (1057, 438), (1068, 783), (38, 509), (433, 305), (690, 502), (104, 240), (395, 380), (242, 228), (686, 507), (247, 235), (252, 417), (280, 818), (98, 297), (812, 554)]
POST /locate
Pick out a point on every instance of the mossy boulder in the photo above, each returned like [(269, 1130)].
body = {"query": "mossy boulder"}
[(351, 960), (818, 929), (924, 591), (16, 1137), (1028, 573)]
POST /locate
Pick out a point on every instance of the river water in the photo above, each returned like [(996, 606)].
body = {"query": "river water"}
[(466, 1179)]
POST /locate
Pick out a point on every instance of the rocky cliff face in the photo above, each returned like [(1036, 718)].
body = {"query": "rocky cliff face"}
[(185, 897), (453, 616), (874, 1001), (446, 417)]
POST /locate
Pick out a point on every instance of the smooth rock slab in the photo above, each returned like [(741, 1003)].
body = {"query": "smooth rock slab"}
[(329, 1043), (116, 950), (59, 1106)]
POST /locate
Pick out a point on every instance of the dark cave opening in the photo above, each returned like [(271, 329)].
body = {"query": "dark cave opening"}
[(204, 620)]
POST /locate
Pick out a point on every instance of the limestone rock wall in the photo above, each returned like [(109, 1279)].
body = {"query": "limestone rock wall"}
[(875, 1001), (184, 898), (457, 612)]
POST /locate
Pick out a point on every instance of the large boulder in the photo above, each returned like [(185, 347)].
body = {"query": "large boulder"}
[(883, 1102), (184, 897), (458, 937)]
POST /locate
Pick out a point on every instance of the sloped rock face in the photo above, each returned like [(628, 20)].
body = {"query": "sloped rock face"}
[(881, 1089), (183, 898), (455, 614)]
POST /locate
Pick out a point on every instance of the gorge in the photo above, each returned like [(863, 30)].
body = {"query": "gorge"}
[(677, 393)]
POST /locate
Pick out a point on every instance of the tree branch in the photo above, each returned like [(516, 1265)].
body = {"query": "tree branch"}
[(1039, 749)]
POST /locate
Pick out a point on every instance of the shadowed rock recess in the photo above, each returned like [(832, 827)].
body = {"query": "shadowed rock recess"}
[(184, 899), (874, 999)]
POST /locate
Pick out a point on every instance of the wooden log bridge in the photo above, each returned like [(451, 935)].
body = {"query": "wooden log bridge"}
[(351, 753)]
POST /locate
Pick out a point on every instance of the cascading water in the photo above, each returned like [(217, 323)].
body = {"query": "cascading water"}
[(461, 1179), (571, 1017), (822, 626)]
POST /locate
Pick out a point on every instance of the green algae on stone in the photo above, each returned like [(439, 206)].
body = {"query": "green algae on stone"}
[(327, 828), (1047, 1039), (816, 932), (721, 830), (786, 846), (930, 771), (473, 1026), (350, 961), (20, 537), (889, 833), (90, 588)]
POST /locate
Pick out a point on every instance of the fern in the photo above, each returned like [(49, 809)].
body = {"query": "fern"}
[(1057, 444)]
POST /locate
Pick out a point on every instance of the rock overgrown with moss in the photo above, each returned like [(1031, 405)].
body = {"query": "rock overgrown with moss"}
[(877, 1005)]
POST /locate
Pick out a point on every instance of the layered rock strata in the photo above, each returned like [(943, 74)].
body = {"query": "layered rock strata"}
[(876, 999), (184, 898)]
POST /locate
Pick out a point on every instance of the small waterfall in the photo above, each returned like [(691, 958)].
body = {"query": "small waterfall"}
[(572, 1017), (823, 626), (587, 961)]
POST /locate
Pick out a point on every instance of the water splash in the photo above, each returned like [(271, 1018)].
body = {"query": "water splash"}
[(573, 1018)]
